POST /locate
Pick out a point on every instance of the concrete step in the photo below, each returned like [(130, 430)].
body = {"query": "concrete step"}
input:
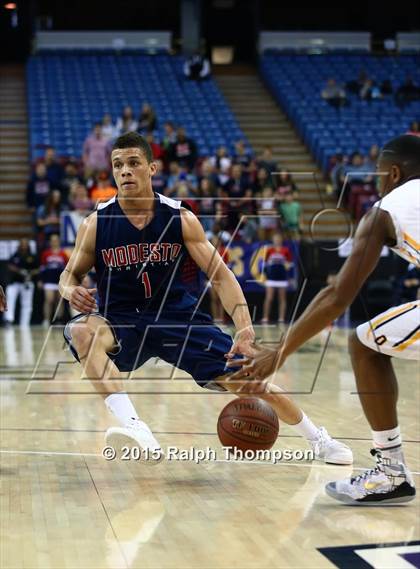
[(19, 209), (17, 166), (10, 218), (14, 177)]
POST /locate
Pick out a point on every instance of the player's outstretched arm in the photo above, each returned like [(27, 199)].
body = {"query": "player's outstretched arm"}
[(3, 303), (374, 231), (81, 261), (221, 278)]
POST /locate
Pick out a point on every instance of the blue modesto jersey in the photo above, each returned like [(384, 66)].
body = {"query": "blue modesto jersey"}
[(141, 268)]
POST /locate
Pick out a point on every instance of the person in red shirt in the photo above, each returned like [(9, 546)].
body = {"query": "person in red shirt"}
[(53, 262), (277, 261)]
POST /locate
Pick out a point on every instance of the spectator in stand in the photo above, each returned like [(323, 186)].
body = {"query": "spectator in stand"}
[(207, 170), (38, 188), (372, 159), (248, 229), (179, 174), (266, 160), (263, 180), (23, 266), (157, 150), (407, 92), (95, 152), (338, 174), (48, 216), (79, 200), (53, 262), (186, 196), (126, 122), (267, 214), (160, 179), (414, 129), (355, 85), (103, 190), (334, 94), (109, 131), (284, 185), (197, 67), (147, 119), (237, 183), (169, 137), (291, 216), (71, 179), (356, 173), (184, 149), (207, 203), (277, 262), (55, 170), (370, 91), (241, 155), (221, 162)]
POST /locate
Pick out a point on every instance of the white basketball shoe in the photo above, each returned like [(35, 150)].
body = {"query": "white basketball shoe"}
[(390, 482), (126, 440), (329, 450)]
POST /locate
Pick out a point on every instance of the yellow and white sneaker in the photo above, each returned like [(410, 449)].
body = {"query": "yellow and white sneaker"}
[(390, 482)]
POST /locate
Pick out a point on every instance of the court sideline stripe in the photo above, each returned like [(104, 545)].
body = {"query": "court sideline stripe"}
[(263, 463), (22, 429)]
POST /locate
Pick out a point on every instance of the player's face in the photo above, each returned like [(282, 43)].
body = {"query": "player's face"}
[(132, 172), (389, 176)]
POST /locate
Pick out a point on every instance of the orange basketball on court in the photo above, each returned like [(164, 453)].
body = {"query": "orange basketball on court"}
[(248, 424)]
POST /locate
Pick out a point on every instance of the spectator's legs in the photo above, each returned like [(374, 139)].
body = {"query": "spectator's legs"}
[(12, 292), (282, 298), (49, 300), (26, 300), (268, 301)]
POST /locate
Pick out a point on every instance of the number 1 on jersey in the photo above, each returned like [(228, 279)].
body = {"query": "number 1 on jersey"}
[(147, 288)]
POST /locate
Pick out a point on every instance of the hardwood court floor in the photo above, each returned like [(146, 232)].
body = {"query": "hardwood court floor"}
[(64, 506)]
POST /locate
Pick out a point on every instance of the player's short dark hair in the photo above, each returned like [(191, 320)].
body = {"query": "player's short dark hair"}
[(404, 151), (134, 140)]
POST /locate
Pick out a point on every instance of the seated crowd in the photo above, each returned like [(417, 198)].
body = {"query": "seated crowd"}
[(368, 89), (354, 181)]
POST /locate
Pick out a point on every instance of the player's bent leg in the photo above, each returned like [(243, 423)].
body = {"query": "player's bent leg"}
[(324, 447), (92, 339)]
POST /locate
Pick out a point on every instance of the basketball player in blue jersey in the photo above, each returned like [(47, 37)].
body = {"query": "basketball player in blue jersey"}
[(138, 242)]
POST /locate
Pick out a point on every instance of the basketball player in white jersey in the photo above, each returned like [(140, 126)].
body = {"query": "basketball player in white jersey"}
[(393, 221), (3, 304)]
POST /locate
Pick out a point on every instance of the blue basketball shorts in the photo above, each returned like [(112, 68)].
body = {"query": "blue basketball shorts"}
[(189, 342)]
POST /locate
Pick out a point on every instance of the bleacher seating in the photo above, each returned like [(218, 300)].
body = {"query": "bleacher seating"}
[(296, 82), (67, 94)]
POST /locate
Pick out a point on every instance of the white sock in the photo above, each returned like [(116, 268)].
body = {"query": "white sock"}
[(306, 428), (120, 405), (389, 443)]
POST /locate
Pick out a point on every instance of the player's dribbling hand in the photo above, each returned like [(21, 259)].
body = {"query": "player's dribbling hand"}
[(242, 344), (3, 303), (263, 363), (83, 299)]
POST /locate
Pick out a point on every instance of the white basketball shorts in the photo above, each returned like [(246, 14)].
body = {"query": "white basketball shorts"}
[(395, 332)]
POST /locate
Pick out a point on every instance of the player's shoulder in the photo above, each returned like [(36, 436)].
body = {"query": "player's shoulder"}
[(103, 205), (174, 204)]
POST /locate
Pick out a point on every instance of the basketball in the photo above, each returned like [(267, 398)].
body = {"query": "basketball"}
[(248, 424)]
